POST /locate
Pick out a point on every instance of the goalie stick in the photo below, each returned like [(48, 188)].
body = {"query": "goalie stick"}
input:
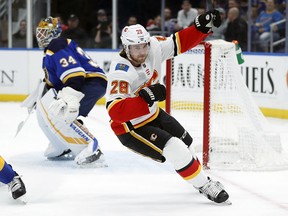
[(30, 103), (22, 123)]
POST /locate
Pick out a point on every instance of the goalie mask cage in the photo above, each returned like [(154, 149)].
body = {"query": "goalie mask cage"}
[(208, 96)]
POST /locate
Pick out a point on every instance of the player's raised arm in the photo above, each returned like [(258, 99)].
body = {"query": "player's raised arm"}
[(189, 37)]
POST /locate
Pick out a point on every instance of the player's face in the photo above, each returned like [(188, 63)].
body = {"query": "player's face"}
[(41, 34), (139, 52)]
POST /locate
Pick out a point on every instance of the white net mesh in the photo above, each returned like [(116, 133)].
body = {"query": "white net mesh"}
[(239, 134)]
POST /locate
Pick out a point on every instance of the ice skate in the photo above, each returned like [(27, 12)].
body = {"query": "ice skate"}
[(89, 157), (215, 192), (57, 154), (17, 188), (66, 155)]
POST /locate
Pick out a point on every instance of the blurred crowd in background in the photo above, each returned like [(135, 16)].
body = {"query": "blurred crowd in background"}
[(268, 17)]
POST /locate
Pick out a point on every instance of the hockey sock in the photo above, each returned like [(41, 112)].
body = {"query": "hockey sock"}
[(184, 163), (193, 173)]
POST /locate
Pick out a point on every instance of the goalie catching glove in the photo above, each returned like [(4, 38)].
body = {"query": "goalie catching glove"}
[(67, 104), (205, 21), (153, 93)]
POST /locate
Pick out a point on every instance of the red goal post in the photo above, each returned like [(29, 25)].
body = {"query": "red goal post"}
[(208, 96)]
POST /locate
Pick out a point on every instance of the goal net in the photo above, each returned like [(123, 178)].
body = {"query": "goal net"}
[(207, 94)]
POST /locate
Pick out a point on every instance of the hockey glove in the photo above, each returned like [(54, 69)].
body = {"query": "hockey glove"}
[(66, 105), (204, 22), (153, 93)]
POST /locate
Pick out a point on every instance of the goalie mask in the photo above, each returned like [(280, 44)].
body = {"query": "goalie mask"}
[(134, 35), (47, 30)]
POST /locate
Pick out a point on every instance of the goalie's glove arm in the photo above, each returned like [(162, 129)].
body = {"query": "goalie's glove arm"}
[(67, 104), (123, 110)]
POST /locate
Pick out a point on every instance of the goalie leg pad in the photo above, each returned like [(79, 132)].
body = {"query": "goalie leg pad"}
[(60, 134), (54, 153), (63, 136), (91, 156), (55, 146)]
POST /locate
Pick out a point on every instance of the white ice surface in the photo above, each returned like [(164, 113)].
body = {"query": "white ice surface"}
[(131, 185)]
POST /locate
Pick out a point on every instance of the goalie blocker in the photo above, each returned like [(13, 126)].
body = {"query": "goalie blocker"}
[(68, 141)]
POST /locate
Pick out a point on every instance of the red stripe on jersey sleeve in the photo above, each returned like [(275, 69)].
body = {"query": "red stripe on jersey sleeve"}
[(126, 109), (188, 38)]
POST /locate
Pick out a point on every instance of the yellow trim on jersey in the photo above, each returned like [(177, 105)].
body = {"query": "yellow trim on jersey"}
[(194, 174), (70, 140), (69, 41), (2, 163), (75, 74), (126, 127), (49, 52), (154, 116), (145, 141), (113, 103), (89, 75), (178, 42), (48, 83)]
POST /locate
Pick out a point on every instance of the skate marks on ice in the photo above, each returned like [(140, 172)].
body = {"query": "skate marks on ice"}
[(248, 183)]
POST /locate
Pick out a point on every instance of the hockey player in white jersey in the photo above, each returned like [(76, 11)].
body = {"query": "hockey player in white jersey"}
[(132, 94), (73, 84)]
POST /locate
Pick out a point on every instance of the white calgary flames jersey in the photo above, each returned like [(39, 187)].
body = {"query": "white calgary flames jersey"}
[(125, 80), (125, 107)]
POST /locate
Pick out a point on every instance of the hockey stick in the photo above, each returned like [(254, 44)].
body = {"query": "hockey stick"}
[(22, 123), (209, 5), (30, 104)]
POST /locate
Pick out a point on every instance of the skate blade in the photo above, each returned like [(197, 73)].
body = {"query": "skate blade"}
[(60, 158), (225, 203), (228, 202), (23, 199), (95, 164)]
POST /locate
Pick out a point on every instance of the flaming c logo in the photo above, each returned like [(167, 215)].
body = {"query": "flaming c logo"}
[(153, 137)]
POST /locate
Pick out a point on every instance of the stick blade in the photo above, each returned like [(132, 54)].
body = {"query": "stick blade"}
[(19, 128)]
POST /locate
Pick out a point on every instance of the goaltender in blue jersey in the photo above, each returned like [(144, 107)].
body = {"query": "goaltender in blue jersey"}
[(73, 84), (66, 64)]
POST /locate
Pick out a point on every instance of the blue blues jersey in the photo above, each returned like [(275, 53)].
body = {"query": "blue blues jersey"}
[(6, 172), (64, 59)]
